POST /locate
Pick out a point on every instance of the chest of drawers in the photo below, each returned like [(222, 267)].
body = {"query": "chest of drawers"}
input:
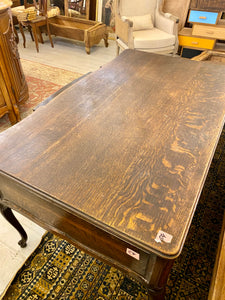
[(215, 32), (205, 17), (187, 40), (207, 28)]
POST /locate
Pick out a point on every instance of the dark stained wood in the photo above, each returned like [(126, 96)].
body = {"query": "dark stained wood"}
[(15, 3), (9, 216), (92, 12), (124, 154)]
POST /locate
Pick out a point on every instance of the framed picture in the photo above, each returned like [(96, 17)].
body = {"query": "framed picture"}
[(105, 12)]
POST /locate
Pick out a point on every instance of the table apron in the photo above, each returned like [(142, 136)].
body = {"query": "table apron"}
[(84, 235)]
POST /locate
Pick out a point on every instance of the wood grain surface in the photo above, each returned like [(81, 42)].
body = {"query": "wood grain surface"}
[(127, 148)]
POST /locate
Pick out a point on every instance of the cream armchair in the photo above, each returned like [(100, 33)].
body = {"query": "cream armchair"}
[(142, 25)]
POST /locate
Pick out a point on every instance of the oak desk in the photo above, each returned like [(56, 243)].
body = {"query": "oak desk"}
[(117, 161)]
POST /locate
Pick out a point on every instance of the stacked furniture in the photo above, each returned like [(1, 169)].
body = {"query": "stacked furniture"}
[(13, 86), (207, 28)]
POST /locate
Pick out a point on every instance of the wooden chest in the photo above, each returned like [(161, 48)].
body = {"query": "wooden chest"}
[(89, 32)]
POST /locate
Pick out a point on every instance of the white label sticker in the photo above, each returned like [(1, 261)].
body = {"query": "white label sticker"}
[(133, 254), (163, 237)]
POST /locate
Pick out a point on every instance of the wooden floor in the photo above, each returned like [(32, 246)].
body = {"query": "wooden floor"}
[(68, 54)]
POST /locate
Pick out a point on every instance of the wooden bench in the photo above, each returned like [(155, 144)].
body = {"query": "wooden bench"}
[(89, 32)]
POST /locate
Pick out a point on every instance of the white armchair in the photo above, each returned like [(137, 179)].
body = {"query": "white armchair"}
[(142, 25)]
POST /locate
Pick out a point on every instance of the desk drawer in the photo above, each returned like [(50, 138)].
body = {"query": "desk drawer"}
[(217, 32), (86, 236), (206, 17), (196, 42)]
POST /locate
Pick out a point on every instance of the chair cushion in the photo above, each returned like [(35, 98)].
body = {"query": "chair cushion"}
[(137, 8), (53, 11), (153, 38), (17, 10), (164, 50), (140, 22)]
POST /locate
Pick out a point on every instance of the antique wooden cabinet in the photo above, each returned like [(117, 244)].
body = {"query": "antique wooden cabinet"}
[(13, 86)]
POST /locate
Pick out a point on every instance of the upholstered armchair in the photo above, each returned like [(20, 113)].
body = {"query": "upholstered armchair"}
[(142, 25)]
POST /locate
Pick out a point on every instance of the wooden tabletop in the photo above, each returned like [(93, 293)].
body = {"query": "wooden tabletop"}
[(127, 147)]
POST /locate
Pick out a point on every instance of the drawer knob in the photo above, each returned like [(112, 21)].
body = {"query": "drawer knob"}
[(202, 17), (194, 43)]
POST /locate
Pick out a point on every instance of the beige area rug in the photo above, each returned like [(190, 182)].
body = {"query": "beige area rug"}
[(50, 74), (42, 81)]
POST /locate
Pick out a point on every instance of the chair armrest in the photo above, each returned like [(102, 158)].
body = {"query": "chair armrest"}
[(172, 17), (124, 30), (166, 22)]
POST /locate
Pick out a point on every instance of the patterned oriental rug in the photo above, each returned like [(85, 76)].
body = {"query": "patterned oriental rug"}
[(58, 270), (42, 82)]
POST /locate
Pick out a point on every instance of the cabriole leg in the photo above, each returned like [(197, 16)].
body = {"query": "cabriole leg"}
[(9, 216)]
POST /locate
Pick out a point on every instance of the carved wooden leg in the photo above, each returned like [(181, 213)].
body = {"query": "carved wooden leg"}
[(49, 33), (40, 38), (31, 33), (87, 50), (22, 32), (106, 40), (155, 296), (16, 35), (118, 50), (17, 112), (35, 36), (12, 117), (160, 271), (87, 42), (9, 216)]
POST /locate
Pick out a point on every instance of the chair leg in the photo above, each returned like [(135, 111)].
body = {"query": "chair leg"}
[(22, 32), (40, 38), (175, 50), (49, 33), (35, 36), (118, 50), (106, 40), (16, 35), (31, 33)]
